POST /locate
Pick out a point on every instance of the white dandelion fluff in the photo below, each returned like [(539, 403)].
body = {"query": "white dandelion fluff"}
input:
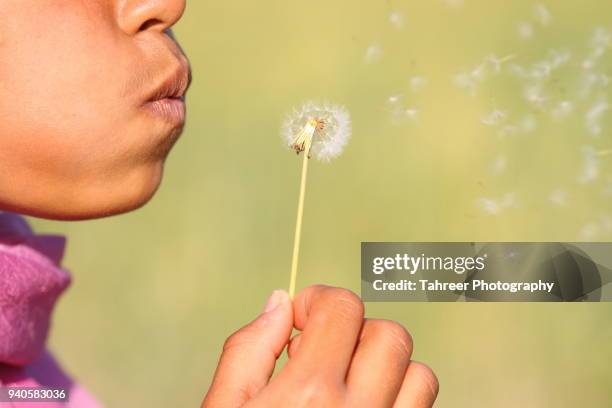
[(394, 99), (373, 53), (396, 19), (528, 124), (562, 109), (542, 14), (401, 114), (590, 166), (322, 130), (499, 165), (534, 95), (558, 197), (454, 3), (494, 206), (524, 29), (594, 116), (469, 80), (494, 118), (589, 232), (417, 83)]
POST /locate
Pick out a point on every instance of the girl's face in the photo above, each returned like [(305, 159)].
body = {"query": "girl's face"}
[(91, 101)]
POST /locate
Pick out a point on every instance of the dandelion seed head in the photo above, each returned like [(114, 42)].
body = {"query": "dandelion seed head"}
[(327, 125)]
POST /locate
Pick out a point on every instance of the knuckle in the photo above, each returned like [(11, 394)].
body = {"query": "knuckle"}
[(320, 392), (429, 380), (345, 302), (239, 339), (393, 334)]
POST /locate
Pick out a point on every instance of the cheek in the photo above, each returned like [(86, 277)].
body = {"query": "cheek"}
[(62, 88), (66, 128), (52, 75)]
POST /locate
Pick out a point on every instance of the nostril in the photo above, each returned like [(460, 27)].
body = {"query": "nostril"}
[(151, 23)]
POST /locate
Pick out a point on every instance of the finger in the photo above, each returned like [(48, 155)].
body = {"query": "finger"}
[(420, 387), (250, 354), (294, 343), (379, 365), (330, 320)]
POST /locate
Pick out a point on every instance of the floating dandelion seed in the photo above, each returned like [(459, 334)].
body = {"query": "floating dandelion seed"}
[(595, 229), (396, 19), (542, 14), (589, 232), (607, 189), (417, 83), (400, 114), (499, 165), (320, 131), (454, 3), (394, 99), (471, 79), (534, 94), (525, 30), (528, 124), (590, 169), (497, 62), (494, 118), (494, 206), (563, 109), (594, 115), (558, 197), (373, 53)]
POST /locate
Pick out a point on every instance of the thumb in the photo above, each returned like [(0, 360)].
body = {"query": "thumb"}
[(250, 354)]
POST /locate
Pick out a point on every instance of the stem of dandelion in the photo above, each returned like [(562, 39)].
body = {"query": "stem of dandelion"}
[(298, 224)]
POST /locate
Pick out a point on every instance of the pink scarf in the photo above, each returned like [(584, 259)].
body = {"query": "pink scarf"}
[(31, 280)]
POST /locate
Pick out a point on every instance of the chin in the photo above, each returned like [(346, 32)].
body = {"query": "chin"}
[(100, 198)]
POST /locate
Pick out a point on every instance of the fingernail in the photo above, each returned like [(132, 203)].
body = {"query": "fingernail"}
[(276, 298)]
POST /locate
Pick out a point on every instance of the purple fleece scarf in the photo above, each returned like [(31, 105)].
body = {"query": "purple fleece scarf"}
[(31, 280)]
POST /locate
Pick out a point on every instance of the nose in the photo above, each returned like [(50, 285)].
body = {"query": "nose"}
[(134, 16)]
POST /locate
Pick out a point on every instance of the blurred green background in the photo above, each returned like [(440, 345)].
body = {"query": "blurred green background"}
[(157, 291)]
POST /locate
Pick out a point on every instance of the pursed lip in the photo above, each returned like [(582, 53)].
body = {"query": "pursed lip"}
[(167, 100)]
